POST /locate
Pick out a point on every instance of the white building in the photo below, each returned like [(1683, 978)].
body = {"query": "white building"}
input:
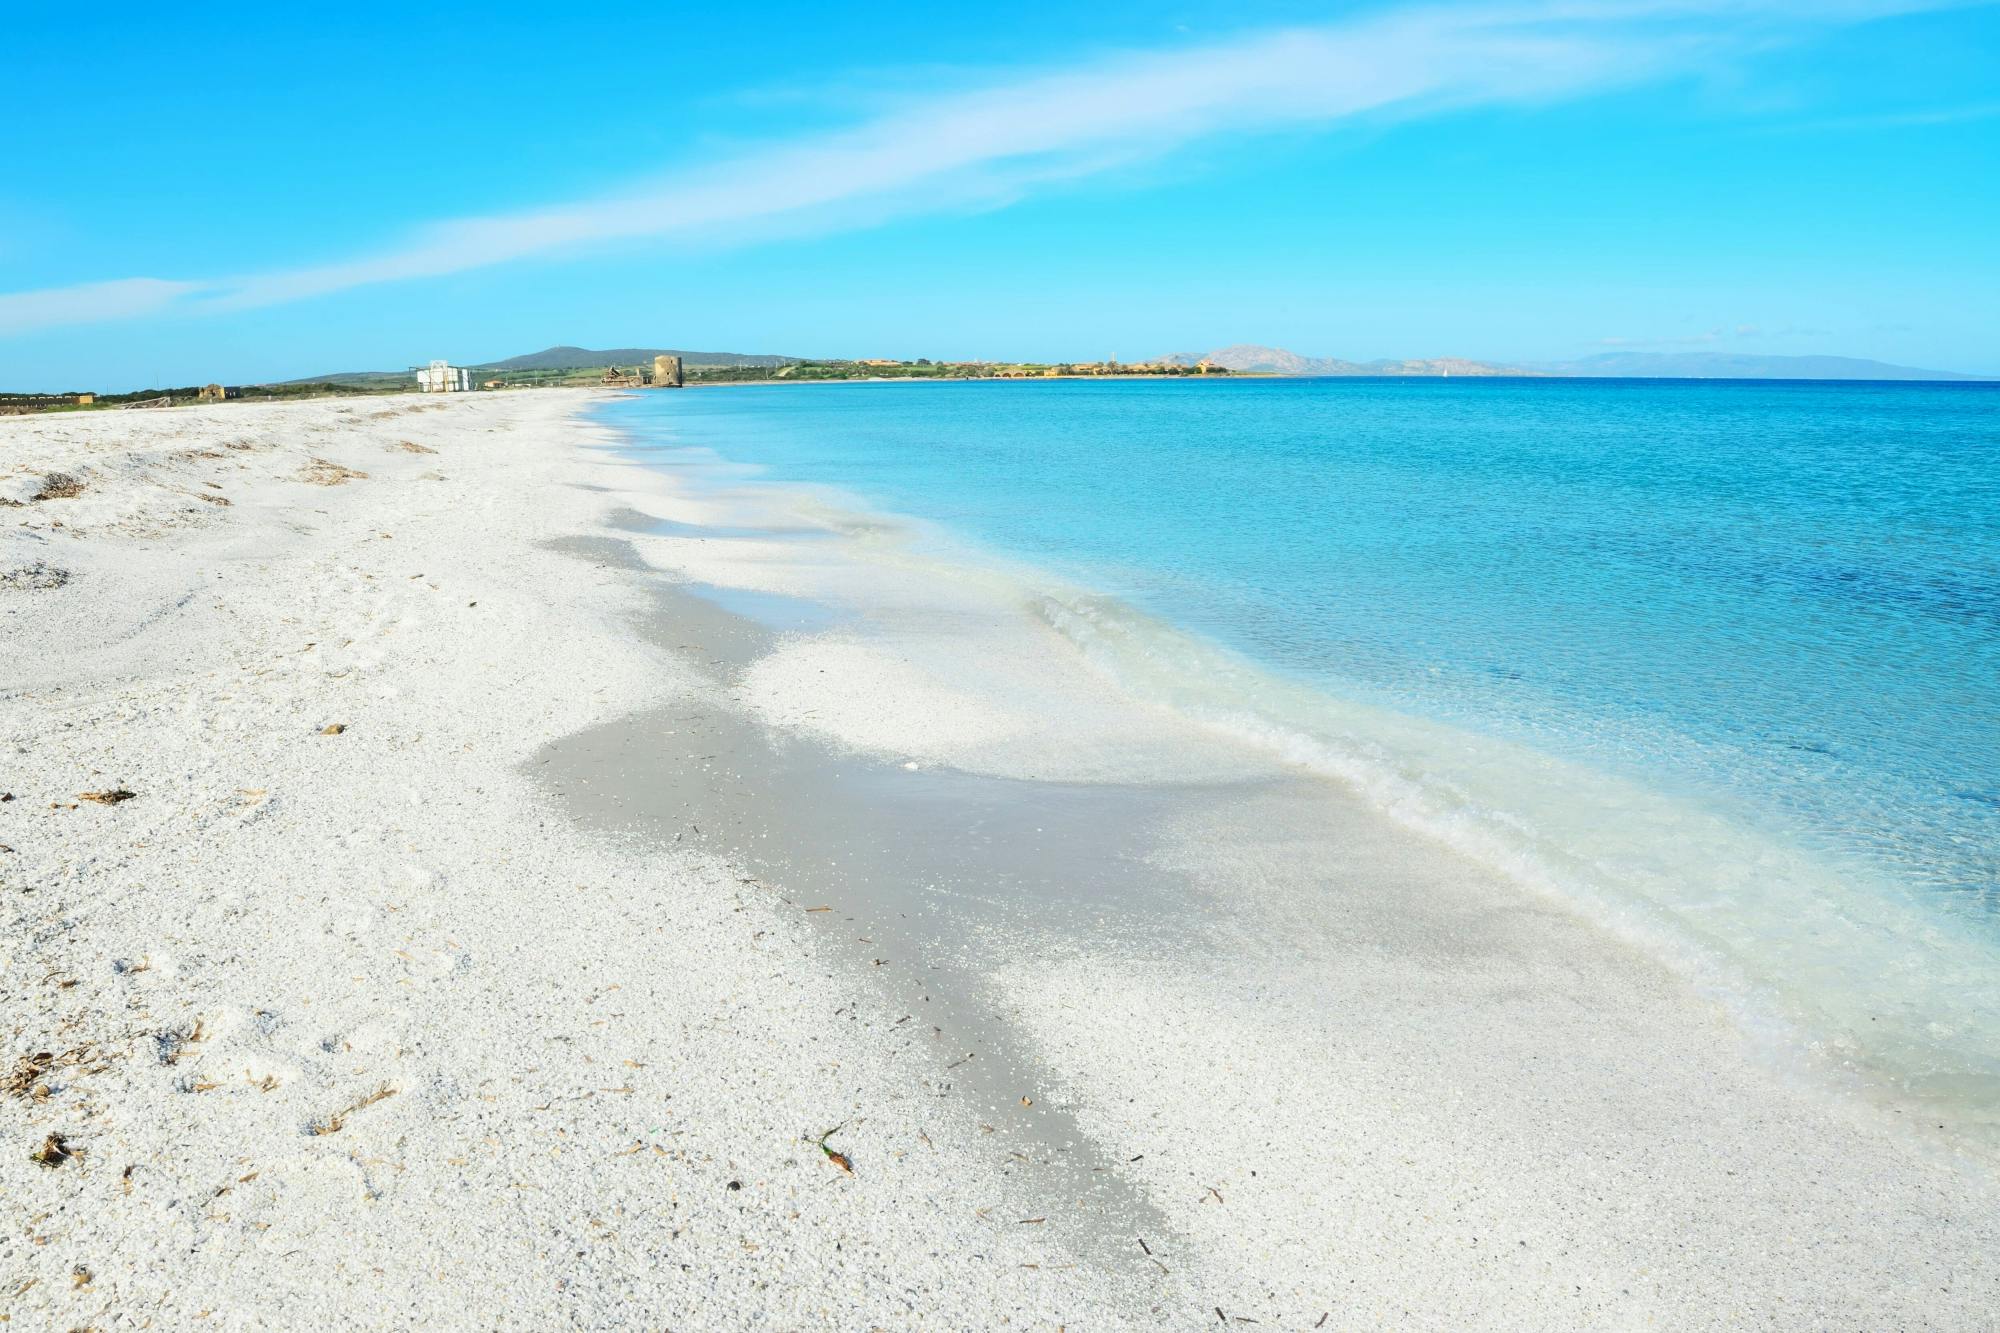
[(441, 377)]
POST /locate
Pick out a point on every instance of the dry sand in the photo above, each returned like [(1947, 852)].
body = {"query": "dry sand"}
[(456, 960)]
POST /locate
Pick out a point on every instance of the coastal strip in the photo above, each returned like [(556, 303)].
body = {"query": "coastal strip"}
[(456, 874)]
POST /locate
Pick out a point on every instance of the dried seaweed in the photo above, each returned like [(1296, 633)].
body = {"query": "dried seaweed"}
[(321, 472), (333, 1123), (35, 577), (26, 1078), (30, 1076), (55, 1150), (59, 486)]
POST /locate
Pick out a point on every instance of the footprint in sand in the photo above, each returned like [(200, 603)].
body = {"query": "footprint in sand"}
[(264, 1074), (372, 1037), (353, 919), (420, 877), (305, 1200), (424, 964)]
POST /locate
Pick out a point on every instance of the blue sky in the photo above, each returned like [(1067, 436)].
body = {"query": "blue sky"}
[(264, 191)]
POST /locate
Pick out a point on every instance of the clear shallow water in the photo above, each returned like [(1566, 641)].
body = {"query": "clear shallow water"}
[(1721, 660)]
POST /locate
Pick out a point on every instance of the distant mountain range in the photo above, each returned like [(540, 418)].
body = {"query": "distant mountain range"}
[(1277, 361), (1740, 366), (559, 359), (1254, 359), (582, 358), (1249, 357)]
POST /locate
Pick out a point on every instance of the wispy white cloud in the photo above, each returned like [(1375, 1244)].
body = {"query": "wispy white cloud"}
[(1013, 135), (88, 303)]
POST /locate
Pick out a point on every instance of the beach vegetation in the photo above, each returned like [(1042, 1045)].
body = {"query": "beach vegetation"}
[(838, 1158), (54, 1151)]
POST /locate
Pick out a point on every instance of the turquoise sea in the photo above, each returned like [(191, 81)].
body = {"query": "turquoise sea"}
[(1717, 661)]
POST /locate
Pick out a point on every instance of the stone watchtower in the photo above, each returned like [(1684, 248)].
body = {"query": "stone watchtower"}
[(667, 372)]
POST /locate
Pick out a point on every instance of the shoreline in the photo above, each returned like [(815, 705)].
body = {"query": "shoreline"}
[(1797, 964), (1438, 1102), (880, 648), (1768, 1063)]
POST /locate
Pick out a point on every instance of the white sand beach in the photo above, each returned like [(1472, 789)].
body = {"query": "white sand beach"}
[(427, 899)]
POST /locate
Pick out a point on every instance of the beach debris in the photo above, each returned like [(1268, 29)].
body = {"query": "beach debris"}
[(839, 1159), (55, 1150), (33, 578), (333, 729), (26, 1078), (29, 1077), (171, 1044), (59, 486), (333, 1123), (116, 796), (80, 1276), (412, 447), (322, 472)]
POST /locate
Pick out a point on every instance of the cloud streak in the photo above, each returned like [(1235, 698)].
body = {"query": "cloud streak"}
[(88, 303), (1014, 135)]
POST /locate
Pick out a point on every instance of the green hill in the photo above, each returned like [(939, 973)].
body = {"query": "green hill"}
[(581, 358)]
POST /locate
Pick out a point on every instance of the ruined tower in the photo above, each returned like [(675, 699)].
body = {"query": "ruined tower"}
[(667, 372)]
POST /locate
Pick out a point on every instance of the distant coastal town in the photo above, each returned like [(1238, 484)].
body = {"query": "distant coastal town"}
[(646, 367), (580, 368)]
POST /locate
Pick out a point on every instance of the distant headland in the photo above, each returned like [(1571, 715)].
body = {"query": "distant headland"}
[(580, 365), (570, 366), (1248, 358)]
